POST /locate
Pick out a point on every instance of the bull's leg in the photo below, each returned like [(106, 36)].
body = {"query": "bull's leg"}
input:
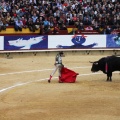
[(109, 76)]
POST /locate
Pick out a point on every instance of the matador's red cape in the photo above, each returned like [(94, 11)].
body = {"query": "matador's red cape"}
[(68, 76)]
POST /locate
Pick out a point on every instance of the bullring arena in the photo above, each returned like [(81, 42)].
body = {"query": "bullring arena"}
[(25, 93)]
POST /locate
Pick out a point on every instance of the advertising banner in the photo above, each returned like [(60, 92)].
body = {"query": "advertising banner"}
[(25, 42), (76, 41), (113, 41), (40, 42)]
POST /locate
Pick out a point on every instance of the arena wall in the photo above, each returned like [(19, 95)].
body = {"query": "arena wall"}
[(72, 52)]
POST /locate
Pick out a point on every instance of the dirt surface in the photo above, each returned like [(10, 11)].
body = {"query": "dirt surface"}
[(25, 93)]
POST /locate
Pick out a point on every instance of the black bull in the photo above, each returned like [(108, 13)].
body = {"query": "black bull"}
[(107, 65)]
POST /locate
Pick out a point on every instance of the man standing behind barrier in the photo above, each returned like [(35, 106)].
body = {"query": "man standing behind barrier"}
[(58, 65)]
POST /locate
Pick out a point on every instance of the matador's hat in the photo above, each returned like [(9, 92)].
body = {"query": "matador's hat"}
[(61, 52)]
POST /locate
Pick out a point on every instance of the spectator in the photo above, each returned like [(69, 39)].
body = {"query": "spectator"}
[(41, 20), (56, 29), (20, 13), (60, 22), (51, 22), (68, 18), (55, 21), (95, 24), (1, 7), (24, 21), (4, 22), (1, 25), (42, 30), (12, 22), (89, 28), (34, 17), (15, 17), (8, 7), (71, 22), (8, 18), (63, 27), (87, 21), (18, 25), (33, 1), (37, 24), (46, 23), (80, 26), (46, 29), (31, 25), (108, 30), (74, 17)]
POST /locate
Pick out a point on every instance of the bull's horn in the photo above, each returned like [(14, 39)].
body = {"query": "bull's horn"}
[(91, 62)]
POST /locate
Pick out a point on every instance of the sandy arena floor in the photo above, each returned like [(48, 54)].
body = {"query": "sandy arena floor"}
[(25, 93)]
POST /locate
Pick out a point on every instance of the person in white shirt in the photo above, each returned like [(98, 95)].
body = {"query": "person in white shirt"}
[(34, 1)]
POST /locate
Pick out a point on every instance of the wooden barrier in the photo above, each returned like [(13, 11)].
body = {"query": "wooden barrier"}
[(87, 32), (63, 32), (60, 32), (49, 52), (11, 31)]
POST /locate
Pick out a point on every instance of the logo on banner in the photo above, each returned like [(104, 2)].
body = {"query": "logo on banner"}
[(25, 44), (117, 39), (78, 42)]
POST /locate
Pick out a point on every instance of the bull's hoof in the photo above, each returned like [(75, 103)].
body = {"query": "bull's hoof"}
[(108, 80)]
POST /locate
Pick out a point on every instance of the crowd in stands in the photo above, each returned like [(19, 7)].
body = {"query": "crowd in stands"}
[(100, 15)]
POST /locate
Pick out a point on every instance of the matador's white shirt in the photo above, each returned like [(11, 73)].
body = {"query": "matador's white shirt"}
[(58, 59)]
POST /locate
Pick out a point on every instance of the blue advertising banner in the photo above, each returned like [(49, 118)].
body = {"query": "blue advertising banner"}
[(25, 42), (39, 42), (113, 41), (77, 41)]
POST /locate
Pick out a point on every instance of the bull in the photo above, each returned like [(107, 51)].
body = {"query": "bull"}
[(107, 65)]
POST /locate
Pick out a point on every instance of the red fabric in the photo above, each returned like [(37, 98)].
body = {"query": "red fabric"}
[(106, 68), (68, 76)]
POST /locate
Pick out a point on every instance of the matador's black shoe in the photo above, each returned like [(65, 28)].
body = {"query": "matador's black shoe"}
[(49, 81)]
